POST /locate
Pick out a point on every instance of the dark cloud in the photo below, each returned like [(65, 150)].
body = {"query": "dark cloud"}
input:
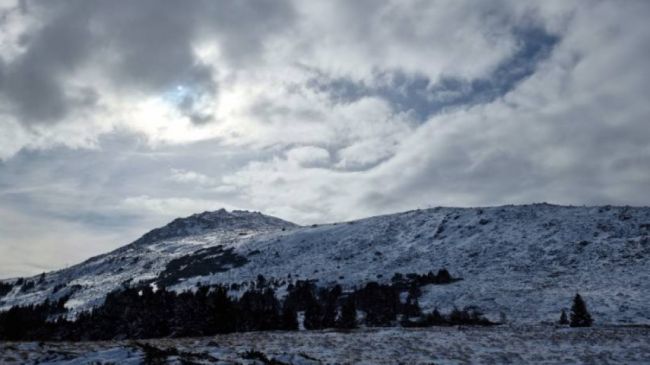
[(32, 82), (147, 45), (152, 41), (420, 95), (242, 26), (2, 74)]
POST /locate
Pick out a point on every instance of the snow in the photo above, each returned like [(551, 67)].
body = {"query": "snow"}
[(524, 261), (440, 345)]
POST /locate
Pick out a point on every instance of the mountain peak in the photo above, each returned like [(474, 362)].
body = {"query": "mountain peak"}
[(213, 220)]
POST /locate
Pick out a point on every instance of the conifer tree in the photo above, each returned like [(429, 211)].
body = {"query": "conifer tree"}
[(443, 276), (330, 298), (580, 316), (563, 318), (222, 316), (270, 310), (313, 316), (289, 320), (435, 318), (412, 306), (348, 318)]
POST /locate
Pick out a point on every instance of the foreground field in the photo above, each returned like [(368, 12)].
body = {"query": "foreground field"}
[(442, 345)]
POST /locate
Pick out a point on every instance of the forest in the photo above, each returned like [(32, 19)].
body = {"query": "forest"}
[(146, 311)]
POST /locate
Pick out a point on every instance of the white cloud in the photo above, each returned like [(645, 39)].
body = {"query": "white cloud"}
[(309, 156), (170, 207), (342, 39), (190, 177), (367, 153), (255, 132)]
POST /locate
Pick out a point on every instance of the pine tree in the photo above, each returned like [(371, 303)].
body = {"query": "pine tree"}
[(563, 318), (330, 297), (261, 282), (412, 306), (580, 316), (443, 276), (270, 310), (313, 316), (222, 316), (458, 316), (289, 320), (348, 318), (435, 318)]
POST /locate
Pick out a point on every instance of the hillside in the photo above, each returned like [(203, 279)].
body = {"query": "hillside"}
[(523, 261)]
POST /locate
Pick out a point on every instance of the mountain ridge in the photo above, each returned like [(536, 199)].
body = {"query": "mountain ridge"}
[(213, 220), (525, 261)]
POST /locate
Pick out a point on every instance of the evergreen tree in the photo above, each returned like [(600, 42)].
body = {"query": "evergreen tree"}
[(563, 318), (380, 302), (580, 316), (348, 318), (443, 276), (289, 318), (250, 307), (458, 316), (435, 318), (412, 306), (330, 298), (313, 316), (261, 282), (222, 317), (414, 290), (270, 311), (300, 294), (5, 289)]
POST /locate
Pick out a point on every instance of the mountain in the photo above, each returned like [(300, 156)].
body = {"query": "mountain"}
[(525, 262), (213, 221)]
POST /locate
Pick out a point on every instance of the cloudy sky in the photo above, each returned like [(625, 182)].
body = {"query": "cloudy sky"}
[(117, 116)]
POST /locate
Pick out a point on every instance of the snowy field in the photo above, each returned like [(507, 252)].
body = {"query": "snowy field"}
[(442, 345)]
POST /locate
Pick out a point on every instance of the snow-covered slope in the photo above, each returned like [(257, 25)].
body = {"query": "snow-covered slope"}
[(212, 221), (524, 261)]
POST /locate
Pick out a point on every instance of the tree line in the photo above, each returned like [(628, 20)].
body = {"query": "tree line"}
[(142, 312)]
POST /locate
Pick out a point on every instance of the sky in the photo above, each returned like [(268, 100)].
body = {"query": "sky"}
[(117, 116)]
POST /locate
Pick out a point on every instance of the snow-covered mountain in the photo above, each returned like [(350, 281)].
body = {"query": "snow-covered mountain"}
[(523, 261), (213, 221)]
